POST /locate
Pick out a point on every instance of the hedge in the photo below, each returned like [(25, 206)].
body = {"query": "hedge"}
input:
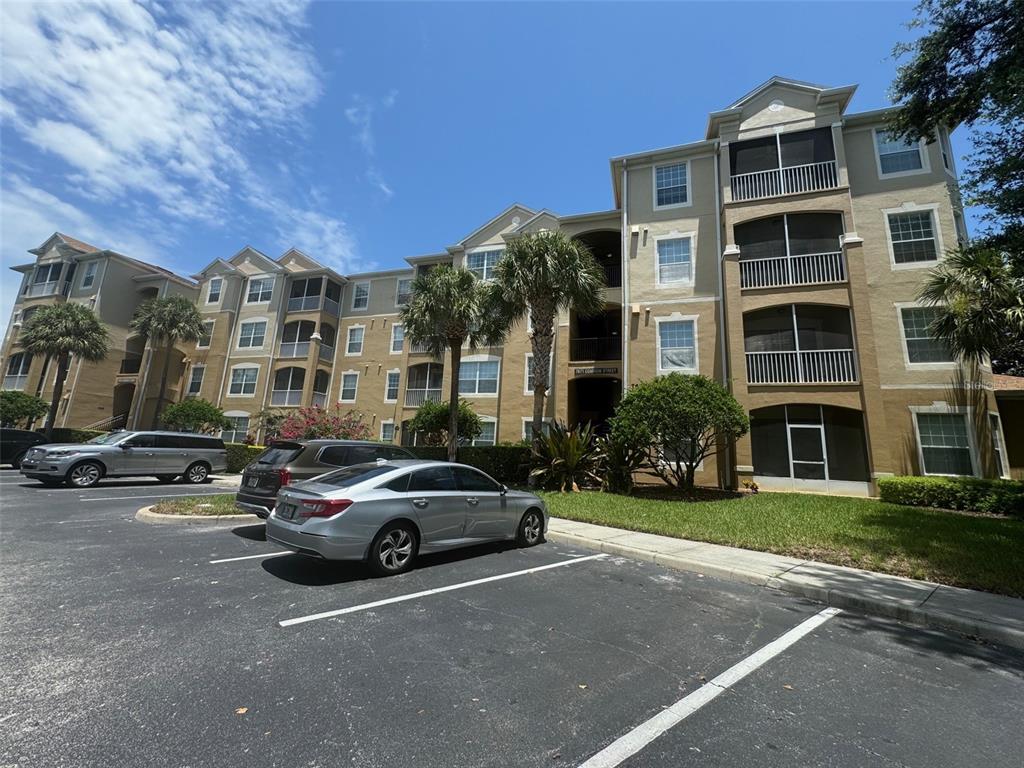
[(240, 454), (1004, 497), (67, 435), (505, 463)]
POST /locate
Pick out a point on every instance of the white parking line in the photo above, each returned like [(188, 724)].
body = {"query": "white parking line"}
[(426, 592), (626, 746), (157, 496), (249, 557)]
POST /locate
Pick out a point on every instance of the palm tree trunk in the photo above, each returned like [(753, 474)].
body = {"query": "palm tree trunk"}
[(453, 402), (163, 385), (58, 391), (541, 343)]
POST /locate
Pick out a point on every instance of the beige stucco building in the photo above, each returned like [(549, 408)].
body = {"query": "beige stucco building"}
[(781, 255)]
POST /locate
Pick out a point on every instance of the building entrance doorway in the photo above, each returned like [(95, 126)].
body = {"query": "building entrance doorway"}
[(593, 400)]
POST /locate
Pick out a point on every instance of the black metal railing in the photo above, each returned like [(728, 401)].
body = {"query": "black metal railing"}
[(597, 348), (131, 365)]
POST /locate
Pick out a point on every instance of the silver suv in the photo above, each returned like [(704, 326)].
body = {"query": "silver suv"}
[(164, 455)]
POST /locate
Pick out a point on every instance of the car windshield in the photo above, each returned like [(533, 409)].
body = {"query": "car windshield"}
[(349, 476), (109, 438), (279, 454)]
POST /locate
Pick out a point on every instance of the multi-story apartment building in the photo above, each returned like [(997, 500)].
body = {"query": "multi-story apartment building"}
[(781, 254)]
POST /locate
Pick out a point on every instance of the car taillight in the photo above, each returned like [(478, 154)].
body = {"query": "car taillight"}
[(324, 508), (284, 476)]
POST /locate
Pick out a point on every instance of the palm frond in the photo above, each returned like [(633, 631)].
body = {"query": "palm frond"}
[(70, 329)]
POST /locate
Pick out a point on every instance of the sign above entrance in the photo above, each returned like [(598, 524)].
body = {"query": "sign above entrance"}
[(597, 371)]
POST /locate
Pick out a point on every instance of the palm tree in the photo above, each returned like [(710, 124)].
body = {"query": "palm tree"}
[(63, 330), (164, 322), (449, 307), (539, 276), (980, 303)]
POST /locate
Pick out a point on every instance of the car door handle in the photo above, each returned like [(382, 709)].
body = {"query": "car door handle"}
[(473, 500), (420, 503), (150, 454)]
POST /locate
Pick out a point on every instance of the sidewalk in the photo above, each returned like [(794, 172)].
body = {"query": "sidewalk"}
[(980, 614), (226, 481)]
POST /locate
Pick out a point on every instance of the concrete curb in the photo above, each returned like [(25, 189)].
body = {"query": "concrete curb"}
[(147, 515), (907, 600)]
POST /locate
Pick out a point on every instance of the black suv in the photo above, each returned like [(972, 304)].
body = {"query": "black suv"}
[(15, 442), (289, 461)]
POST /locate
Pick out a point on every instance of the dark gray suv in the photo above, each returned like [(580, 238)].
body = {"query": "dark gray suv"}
[(289, 461)]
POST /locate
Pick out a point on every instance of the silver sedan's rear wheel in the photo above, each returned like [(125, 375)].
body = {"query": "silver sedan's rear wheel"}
[(531, 529), (85, 475), (393, 550)]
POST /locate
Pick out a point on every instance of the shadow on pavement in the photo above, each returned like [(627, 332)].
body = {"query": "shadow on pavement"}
[(254, 532)]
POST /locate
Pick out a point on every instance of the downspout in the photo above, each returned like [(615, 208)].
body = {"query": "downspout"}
[(627, 314), (722, 340)]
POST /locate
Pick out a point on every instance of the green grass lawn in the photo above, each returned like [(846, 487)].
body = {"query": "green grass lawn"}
[(220, 504), (980, 552)]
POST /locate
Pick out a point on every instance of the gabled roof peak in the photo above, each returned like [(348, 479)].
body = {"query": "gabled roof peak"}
[(778, 80), (72, 242)]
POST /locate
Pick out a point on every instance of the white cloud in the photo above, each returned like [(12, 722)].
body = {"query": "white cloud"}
[(361, 115)]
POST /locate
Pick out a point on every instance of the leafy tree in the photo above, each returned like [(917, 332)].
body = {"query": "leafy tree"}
[(165, 322), (678, 421), (269, 420), (622, 459), (432, 419), (195, 415), (539, 276), (17, 407), (60, 331), (566, 458), (450, 307), (313, 422)]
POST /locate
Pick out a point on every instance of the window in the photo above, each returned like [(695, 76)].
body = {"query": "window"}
[(360, 296), (397, 339), (998, 450), (475, 481), (677, 345), (675, 260), (478, 378), (204, 340), (545, 427), (945, 447), (213, 291), (288, 385), (404, 292), (391, 386), (432, 479), (488, 429), (195, 382), (305, 294), (89, 276), (260, 290), (349, 386), (387, 431), (528, 383), (922, 345), (670, 185), (243, 381), (238, 430), (252, 334), (913, 237), (482, 263), (355, 340), (16, 376), (898, 156)]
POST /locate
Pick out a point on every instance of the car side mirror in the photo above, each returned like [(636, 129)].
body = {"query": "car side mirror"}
[(504, 489)]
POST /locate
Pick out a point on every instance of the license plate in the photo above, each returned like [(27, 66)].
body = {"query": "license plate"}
[(252, 482), (286, 511)]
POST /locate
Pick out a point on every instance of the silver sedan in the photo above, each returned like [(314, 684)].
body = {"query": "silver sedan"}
[(389, 512)]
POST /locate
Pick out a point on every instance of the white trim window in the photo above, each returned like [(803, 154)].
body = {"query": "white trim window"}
[(195, 381), (998, 445), (261, 289), (387, 431), (944, 443), (488, 432), (89, 275), (397, 338), (479, 377), (897, 157), (204, 341), (213, 290), (403, 291), (677, 344), (239, 429), (349, 387), (392, 382), (16, 376), (528, 373), (482, 262), (251, 334), (674, 254), (360, 296), (243, 380), (912, 237), (545, 427), (671, 185), (354, 343), (919, 343)]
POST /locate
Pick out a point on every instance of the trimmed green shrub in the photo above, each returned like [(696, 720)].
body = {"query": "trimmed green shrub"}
[(508, 464), (67, 435), (1004, 497), (240, 454), (195, 415)]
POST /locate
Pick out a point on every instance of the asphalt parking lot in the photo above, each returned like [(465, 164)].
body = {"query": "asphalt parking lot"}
[(127, 644)]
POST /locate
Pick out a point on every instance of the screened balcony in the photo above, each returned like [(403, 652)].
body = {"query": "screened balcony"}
[(793, 249), (783, 164), (311, 293), (16, 375), (424, 384), (328, 338), (295, 339), (288, 383), (321, 383), (799, 344)]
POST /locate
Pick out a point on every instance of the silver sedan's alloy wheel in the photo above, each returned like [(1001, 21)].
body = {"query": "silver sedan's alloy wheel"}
[(532, 525), (197, 473), (85, 475), (395, 549)]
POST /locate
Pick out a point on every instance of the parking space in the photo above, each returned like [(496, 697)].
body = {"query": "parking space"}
[(130, 644)]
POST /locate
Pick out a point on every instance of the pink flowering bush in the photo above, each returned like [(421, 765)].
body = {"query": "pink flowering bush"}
[(315, 422)]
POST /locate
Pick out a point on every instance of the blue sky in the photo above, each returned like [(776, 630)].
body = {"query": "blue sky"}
[(365, 133)]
